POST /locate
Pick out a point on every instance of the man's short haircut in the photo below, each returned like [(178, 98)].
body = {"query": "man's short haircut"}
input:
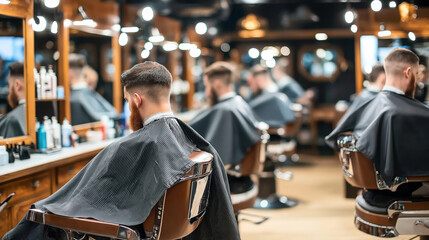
[(76, 61), (149, 77), (377, 69), (258, 70), (399, 56), (220, 70), (16, 69)]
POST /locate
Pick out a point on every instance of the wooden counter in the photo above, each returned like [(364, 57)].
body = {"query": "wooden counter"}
[(37, 178)]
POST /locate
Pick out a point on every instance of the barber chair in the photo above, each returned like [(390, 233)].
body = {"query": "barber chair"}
[(402, 216), (177, 214)]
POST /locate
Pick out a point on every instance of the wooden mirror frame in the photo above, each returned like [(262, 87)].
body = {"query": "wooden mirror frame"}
[(24, 9), (311, 48)]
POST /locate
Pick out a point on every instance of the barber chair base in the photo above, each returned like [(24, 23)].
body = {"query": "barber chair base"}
[(275, 202)]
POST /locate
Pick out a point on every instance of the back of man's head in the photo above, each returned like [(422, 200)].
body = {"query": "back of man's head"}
[(221, 71), (398, 60), (281, 67), (151, 79), (377, 69), (16, 70), (76, 64), (259, 70)]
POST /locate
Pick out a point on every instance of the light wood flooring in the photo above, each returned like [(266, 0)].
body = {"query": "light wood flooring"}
[(322, 213)]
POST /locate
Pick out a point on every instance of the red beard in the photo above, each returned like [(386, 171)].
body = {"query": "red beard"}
[(136, 122), (12, 99)]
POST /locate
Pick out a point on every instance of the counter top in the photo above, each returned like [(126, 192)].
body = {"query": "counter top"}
[(39, 162)]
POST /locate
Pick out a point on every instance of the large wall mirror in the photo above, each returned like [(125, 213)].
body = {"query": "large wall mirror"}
[(320, 62)]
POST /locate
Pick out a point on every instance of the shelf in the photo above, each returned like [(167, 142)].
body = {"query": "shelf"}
[(50, 99)]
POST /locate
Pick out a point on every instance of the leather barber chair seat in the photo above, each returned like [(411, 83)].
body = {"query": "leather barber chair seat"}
[(177, 214), (399, 216)]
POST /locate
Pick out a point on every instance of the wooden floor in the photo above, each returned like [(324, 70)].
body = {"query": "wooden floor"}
[(322, 213)]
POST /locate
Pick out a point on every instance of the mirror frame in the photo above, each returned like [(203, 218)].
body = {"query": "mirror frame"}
[(310, 48), (24, 9)]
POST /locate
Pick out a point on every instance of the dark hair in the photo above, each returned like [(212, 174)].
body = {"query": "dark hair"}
[(377, 69), (258, 69), (220, 70), (147, 76), (76, 61), (399, 55), (16, 69)]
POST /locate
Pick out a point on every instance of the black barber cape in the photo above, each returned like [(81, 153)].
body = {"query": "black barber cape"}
[(393, 131), (12, 124), (88, 106), (364, 96), (230, 127), (125, 180), (292, 89), (275, 109)]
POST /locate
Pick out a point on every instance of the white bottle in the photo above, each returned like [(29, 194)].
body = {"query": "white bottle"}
[(49, 133), (43, 80), (54, 83), (38, 85), (56, 130), (4, 156), (66, 130)]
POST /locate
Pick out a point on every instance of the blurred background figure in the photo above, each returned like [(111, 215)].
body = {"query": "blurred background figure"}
[(285, 82), (91, 77), (422, 84)]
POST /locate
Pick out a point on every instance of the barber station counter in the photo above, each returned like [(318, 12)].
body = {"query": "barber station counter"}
[(40, 176)]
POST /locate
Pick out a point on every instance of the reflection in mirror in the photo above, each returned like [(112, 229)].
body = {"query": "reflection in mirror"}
[(91, 77), (12, 82), (320, 63)]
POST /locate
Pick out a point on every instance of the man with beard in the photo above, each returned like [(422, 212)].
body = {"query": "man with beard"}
[(229, 125), (13, 123), (124, 181), (267, 103), (86, 105), (286, 83), (392, 129)]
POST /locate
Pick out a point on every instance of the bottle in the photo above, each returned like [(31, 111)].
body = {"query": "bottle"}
[(104, 125), (54, 83), (43, 80), (41, 138), (56, 132), (66, 130), (38, 85), (49, 133), (4, 156)]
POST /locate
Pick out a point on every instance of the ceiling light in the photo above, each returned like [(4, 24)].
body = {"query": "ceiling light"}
[(52, 3), (4, 1), (147, 13), (148, 46), (392, 4), (251, 22), (145, 53), (130, 29), (54, 27), (38, 27), (212, 31), (85, 22), (285, 51), (169, 46), (384, 33), (321, 36), (253, 53), (185, 46), (270, 63), (376, 5), (201, 28), (123, 39), (267, 54), (412, 36), (156, 36), (353, 28), (195, 52), (349, 16), (225, 47)]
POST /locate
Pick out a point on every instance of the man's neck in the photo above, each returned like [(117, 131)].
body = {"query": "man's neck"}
[(154, 109), (226, 95)]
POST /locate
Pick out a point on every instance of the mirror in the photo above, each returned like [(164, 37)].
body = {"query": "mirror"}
[(320, 63), (12, 78), (91, 87)]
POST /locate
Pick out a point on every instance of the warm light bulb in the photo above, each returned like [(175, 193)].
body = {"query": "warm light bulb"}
[(349, 16), (195, 52), (392, 4), (145, 53), (353, 28), (321, 36), (38, 27), (225, 47), (412, 36), (285, 51), (123, 39), (54, 27), (253, 53), (169, 46), (148, 46), (376, 5), (147, 13), (201, 28), (52, 3)]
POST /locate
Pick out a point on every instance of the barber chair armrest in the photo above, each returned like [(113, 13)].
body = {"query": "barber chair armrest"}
[(82, 225), (410, 207)]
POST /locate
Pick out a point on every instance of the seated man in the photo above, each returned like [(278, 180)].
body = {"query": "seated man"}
[(392, 129), (13, 123), (125, 180), (376, 79), (229, 125), (286, 83), (269, 105), (86, 105), (422, 85)]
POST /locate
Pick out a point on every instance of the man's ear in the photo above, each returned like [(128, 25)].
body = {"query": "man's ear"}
[(19, 84), (138, 100), (407, 72)]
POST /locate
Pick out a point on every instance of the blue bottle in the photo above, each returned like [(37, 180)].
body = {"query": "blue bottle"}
[(41, 138)]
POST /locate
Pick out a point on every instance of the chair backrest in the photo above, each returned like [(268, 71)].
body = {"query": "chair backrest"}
[(291, 129), (181, 209), (253, 162)]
